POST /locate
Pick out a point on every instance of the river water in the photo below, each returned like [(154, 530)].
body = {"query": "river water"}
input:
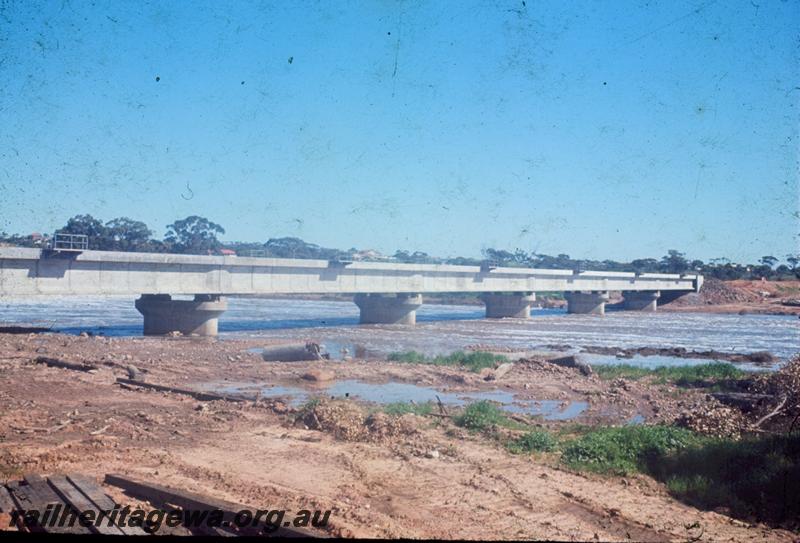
[(440, 328)]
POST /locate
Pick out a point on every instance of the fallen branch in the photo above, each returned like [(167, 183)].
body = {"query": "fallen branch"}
[(196, 394), (56, 363), (774, 412)]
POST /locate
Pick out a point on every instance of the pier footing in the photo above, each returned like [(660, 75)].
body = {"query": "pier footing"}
[(513, 305), (593, 303), (163, 315), (388, 309), (640, 300)]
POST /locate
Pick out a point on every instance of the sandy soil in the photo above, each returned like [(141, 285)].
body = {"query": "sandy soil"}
[(57, 420)]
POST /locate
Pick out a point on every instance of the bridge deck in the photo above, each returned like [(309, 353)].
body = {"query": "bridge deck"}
[(26, 271)]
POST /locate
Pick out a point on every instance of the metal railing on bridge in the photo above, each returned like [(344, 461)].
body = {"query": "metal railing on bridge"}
[(69, 242)]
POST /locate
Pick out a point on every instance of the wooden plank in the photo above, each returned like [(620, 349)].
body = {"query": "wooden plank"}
[(79, 502), (38, 488), (22, 502), (202, 396), (6, 501), (92, 490), (7, 505), (192, 501)]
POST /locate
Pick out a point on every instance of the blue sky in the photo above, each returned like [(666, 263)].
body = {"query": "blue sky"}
[(597, 129)]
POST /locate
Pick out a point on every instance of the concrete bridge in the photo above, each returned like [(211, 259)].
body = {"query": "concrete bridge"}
[(385, 292)]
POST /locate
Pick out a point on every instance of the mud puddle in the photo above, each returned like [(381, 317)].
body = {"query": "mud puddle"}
[(392, 392)]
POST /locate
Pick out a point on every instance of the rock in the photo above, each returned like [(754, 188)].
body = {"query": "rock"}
[(318, 375), (432, 454), (573, 361), (280, 408)]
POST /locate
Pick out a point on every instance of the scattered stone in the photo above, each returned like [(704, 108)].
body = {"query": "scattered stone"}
[(432, 454)]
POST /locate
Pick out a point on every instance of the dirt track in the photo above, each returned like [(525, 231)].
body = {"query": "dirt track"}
[(55, 420)]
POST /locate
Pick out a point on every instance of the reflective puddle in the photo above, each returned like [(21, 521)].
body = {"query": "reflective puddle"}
[(392, 392)]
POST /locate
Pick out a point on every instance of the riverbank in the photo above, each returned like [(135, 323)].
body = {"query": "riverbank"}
[(385, 471)]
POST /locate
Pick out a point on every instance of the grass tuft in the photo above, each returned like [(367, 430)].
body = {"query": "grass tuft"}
[(698, 375), (474, 361), (626, 449), (403, 408)]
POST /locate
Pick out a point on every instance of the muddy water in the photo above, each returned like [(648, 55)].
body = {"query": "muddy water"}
[(440, 329)]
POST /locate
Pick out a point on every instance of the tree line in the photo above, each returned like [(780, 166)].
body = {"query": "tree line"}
[(199, 235)]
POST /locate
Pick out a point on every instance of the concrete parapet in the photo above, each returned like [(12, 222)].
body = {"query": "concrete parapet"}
[(163, 315), (640, 300), (586, 302), (515, 305), (387, 308)]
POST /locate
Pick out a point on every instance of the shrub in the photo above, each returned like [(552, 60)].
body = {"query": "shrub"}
[(533, 441), (481, 415), (756, 477)]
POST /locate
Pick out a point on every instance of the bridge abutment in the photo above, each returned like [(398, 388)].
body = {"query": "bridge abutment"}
[(387, 308), (640, 300), (586, 302), (163, 315), (512, 305)]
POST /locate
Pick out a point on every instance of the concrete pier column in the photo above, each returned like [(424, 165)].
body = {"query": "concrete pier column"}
[(387, 308), (163, 315), (586, 302), (501, 305), (640, 300)]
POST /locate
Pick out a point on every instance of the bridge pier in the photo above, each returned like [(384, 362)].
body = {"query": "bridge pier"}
[(501, 305), (640, 300), (387, 308), (586, 302), (163, 315)]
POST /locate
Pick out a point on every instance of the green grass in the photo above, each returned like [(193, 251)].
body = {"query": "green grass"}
[(533, 441), (403, 408), (757, 477), (626, 449), (474, 361), (483, 415), (700, 374)]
